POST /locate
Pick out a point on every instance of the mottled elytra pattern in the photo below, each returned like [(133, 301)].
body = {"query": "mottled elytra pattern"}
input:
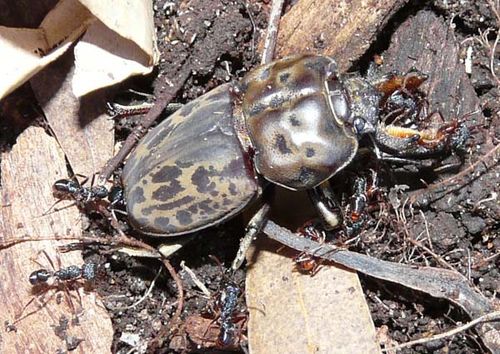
[(298, 140), (189, 172)]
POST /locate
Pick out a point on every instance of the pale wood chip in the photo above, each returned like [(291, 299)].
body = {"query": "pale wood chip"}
[(341, 29), (27, 174), (81, 126)]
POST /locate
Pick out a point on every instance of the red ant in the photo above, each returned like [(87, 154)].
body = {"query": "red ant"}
[(305, 262)]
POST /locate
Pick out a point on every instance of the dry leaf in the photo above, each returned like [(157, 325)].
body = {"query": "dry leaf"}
[(133, 20), (27, 51), (102, 57), (292, 312), (295, 313), (129, 25), (82, 128)]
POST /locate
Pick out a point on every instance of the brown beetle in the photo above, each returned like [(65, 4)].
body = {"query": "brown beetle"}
[(294, 122)]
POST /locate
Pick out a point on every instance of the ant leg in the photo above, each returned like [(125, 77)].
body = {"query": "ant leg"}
[(85, 178), (251, 231), (66, 289), (34, 259), (50, 260), (21, 316), (67, 294), (55, 210)]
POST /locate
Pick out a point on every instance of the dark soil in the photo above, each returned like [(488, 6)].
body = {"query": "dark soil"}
[(217, 40)]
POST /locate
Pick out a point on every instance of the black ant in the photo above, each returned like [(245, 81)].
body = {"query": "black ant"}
[(41, 280), (355, 214), (227, 303), (223, 324), (64, 187), (42, 276)]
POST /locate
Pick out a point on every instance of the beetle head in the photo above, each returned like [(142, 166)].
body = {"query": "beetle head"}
[(354, 102)]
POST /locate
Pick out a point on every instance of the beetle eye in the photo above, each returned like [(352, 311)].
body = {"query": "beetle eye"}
[(362, 126), (338, 100)]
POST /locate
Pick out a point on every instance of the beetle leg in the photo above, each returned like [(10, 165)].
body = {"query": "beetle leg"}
[(252, 230), (325, 203)]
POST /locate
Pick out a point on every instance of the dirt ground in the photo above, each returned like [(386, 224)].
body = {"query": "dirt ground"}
[(463, 228)]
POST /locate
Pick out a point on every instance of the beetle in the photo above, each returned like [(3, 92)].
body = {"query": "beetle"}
[(295, 122)]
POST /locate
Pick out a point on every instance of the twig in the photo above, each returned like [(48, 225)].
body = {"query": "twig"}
[(428, 234), (440, 283), (180, 294), (495, 9), (482, 262), (195, 279), (254, 28), (272, 31), (166, 331), (492, 57), (413, 196), (146, 122), (492, 316), (436, 256)]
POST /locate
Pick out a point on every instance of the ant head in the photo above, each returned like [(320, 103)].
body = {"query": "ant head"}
[(100, 192), (115, 196), (66, 186), (39, 276)]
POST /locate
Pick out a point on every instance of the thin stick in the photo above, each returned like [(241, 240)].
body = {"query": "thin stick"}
[(166, 331), (142, 297), (180, 293), (455, 180), (492, 316), (195, 280), (149, 118), (437, 257), (178, 282), (440, 283), (272, 31)]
